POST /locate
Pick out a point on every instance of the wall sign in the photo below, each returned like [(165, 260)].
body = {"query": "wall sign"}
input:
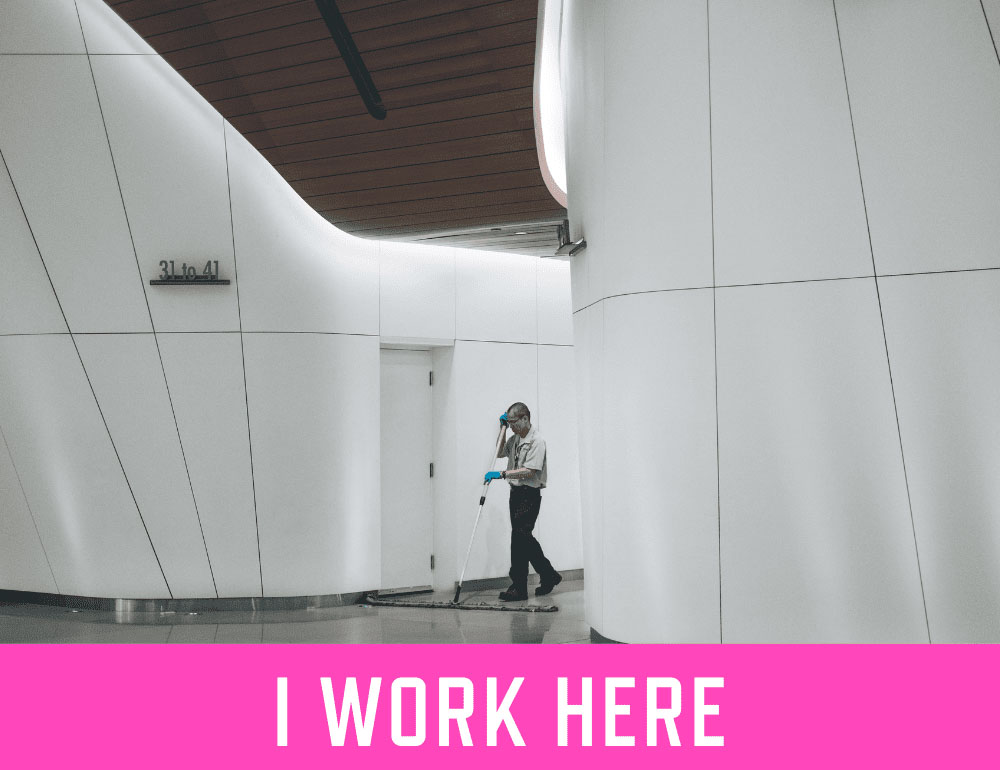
[(188, 274)]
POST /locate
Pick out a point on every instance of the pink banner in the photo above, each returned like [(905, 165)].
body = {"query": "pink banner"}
[(689, 706)]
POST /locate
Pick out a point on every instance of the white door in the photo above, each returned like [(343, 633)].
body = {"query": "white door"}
[(407, 515)]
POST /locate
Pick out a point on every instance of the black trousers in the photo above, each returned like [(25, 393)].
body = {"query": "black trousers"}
[(525, 503)]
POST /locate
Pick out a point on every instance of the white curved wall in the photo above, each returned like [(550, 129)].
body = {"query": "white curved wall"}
[(224, 440), (788, 430)]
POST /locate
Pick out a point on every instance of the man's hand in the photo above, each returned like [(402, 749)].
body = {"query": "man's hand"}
[(503, 419), (490, 476)]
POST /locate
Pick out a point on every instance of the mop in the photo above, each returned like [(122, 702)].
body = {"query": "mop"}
[(373, 600)]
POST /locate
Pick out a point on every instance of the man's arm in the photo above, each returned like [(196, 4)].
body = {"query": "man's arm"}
[(502, 442), (519, 474)]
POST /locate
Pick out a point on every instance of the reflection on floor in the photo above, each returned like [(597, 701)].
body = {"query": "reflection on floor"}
[(29, 623)]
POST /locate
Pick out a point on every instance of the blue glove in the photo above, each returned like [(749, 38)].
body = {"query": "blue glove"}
[(503, 419), (490, 476)]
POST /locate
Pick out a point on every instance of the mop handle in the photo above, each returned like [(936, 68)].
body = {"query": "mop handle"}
[(468, 553)]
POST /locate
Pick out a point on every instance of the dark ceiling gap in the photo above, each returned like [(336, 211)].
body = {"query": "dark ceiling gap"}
[(411, 184), (499, 204), (359, 114), (552, 214), (387, 91), (204, 22), (403, 127), (279, 150), (527, 26), (414, 20), (414, 200), (394, 147), (450, 184), (419, 41), (408, 65), (455, 163), (418, 164)]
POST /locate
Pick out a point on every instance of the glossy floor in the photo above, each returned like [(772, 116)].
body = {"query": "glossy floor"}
[(29, 623)]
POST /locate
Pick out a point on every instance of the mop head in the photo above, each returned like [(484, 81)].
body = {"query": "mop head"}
[(372, 600)]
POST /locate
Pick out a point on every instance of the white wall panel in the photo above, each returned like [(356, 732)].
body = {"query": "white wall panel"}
[(314, 422), (27, 304), (487, 377), (106, 33), (657, 181), (297, 272), (94, 537), (205, 375), (416, 291), (125, 372), (588, 354), (558, 525), (40, 26), (57, 154), (660, 496), (788, 203), (992, 9), (925, 90), (583, 93), (170, 156), (943, 333), (555, 302), (23, 564), (817, 540), (496, 297)]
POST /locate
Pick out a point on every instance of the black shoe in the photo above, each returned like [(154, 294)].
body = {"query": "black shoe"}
[(512, 594), (548, 583)]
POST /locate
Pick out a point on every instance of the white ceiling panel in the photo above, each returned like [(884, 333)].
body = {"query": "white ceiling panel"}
[(27, 303), (787, 194), (106, 33), (925, 91), (416, 291), (496, 297), (40, 26), (297, 272), (170, 157), (657, 168), (57, 154)]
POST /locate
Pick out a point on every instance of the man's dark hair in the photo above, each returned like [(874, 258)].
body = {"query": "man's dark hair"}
[(520, 409)]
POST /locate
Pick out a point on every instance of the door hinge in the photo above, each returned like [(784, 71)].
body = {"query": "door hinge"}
[(430, 378), (432, 561), (432, 470)]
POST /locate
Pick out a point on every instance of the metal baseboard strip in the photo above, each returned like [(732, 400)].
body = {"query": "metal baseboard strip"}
[(141, 606), (376, 601)]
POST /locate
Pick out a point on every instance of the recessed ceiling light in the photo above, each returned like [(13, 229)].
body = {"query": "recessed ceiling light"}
[(520, 233)]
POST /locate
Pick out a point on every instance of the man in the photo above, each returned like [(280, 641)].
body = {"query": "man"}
[(526, 473)]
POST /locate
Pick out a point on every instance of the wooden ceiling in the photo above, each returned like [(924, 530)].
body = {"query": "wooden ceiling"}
[(454, 161)]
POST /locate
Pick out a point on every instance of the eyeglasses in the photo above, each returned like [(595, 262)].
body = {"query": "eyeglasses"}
[(512, 420)]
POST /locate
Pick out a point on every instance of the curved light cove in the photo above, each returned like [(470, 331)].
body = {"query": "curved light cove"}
[(550, 136)]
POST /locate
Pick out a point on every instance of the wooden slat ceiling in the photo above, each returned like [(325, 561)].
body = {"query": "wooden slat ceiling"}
[(453, 162)]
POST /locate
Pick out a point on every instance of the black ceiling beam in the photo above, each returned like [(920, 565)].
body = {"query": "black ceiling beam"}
[(349, 53)]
